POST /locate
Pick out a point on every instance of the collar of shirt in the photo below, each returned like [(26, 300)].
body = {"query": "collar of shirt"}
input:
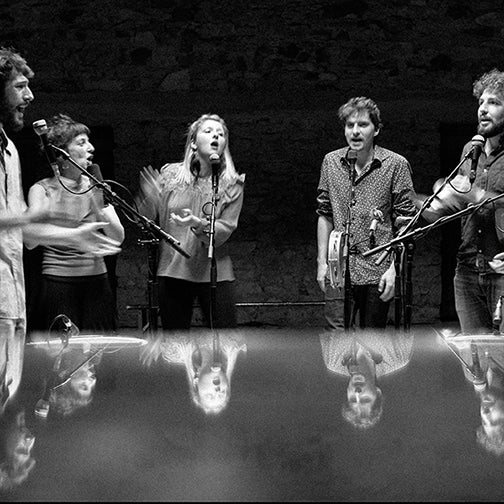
[(378, 157), (4, 141)]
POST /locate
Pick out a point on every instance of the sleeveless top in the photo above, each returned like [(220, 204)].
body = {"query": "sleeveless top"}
[(62, 260)]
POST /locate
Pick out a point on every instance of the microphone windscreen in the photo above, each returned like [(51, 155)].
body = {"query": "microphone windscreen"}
[(94, 170), (351, 155)]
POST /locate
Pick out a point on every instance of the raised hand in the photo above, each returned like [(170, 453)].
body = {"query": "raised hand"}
[(187, 218), (150, 187), (89, 238)]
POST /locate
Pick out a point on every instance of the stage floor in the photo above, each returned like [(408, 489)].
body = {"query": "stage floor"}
[(145, 435)]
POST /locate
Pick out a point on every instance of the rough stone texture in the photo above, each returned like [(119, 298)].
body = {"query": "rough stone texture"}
[(277, 72)]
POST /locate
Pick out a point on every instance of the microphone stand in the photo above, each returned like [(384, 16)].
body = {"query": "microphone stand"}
[(215, 164), (147, 226), (143, 221), (150, 319), (439, 222), (404, 267), (425, 229), (347, 310)]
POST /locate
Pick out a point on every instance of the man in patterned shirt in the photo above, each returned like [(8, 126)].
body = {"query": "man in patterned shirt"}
[(382, 187)]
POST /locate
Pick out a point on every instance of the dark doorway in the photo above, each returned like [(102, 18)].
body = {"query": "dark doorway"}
[(453, 137)]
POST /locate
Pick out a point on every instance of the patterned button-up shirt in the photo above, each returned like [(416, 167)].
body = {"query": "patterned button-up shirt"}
[(12, 287), (384, 184), (390, 352)]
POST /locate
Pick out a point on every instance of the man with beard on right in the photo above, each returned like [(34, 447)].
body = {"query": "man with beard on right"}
[(479, 275)]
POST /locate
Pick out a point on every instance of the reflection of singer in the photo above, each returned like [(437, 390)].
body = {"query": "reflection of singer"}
[(180, 195), (364, 359), (479, 278), (16, 445), (209, 366), (383, 187), (73, 282), (484, 367), (71, 380)]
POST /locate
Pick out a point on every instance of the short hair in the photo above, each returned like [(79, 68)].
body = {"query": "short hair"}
[(359, 104), (491, 81), (65, 400), (11, 61), (62, 129)]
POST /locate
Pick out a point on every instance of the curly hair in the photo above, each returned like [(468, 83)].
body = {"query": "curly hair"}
[(359, 104), (491, 81), (11, 61)]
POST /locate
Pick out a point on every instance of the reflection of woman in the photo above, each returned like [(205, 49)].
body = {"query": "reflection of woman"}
[(180, 195), (71, 382), (363, 358), (16, 443), (208, 371), (73, 282)]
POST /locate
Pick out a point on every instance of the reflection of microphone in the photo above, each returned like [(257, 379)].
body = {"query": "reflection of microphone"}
[(377, 216), (215, 163), (497, 315), (476, 370), (40, 128), (477, 143)]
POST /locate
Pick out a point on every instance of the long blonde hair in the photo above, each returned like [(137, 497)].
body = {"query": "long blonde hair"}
[(189, 168)]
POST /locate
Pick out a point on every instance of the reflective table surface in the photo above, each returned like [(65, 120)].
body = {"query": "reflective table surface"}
[(254, 414)]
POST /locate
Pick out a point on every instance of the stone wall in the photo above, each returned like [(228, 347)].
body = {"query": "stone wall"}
[(276, 70)]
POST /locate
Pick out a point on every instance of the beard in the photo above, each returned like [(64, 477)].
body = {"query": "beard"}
[(9, 118), (494, 130)]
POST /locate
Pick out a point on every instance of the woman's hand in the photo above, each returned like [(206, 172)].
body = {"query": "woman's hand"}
[(150, 187), (187, 218)]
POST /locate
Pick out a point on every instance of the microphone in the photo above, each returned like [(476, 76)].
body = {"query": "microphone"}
[(477, 143), (40, 128), (215, 163), (94, 170), (377, 216), (351, 157), (497, 315)]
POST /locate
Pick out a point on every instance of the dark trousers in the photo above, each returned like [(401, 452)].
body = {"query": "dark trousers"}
[(364, 301), (87, 301), (476, 297), (176, 299)]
